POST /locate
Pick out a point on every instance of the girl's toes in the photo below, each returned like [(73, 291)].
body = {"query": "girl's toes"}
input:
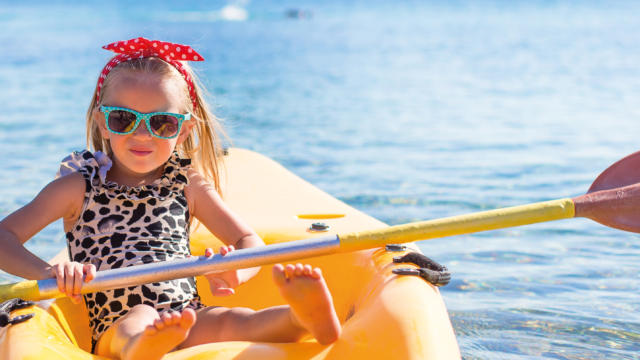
[(289, 270), (187, 318), (150, 330), (175, 317), (298, 270), (278, 268), (317, 273), (163, 321), (279, 275), (167, 317), (307, 270)]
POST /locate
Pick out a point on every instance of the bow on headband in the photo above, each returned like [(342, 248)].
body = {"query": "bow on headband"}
[(141, 48)]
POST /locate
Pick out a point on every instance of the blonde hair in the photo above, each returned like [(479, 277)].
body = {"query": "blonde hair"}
[(203, 145)]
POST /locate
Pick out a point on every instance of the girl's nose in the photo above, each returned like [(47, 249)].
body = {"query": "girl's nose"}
[(142, 130)]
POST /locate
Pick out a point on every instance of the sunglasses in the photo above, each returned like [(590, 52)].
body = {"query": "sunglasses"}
[(163, 125)]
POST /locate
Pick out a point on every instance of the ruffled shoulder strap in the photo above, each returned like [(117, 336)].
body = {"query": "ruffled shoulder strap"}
[(92, 166), (175, 172)]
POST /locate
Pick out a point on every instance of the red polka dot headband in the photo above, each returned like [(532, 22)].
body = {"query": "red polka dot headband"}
[(142, 48)]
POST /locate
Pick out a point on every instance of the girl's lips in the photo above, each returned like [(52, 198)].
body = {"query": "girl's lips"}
[(139, 152)]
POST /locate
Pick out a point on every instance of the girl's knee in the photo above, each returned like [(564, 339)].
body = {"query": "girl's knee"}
[(240, 312), (233, 321), (227, 324)]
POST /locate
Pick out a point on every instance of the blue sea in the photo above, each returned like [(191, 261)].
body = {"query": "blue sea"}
[(406, 110)]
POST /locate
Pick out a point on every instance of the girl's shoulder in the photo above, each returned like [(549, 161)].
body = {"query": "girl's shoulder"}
[(196, 182), (63, 198), (198, 188), (69, 184)]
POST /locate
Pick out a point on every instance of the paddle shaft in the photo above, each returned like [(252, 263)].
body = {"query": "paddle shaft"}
[(177, 269), (288, 251), (460, 224)]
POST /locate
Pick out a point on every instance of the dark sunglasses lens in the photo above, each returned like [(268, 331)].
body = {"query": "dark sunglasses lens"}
[(121, 121), (164, 125)]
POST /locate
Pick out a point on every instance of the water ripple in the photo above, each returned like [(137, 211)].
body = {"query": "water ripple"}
[(406, 110)]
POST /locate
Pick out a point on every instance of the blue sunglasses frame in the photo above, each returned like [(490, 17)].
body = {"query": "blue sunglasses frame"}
[(106, 110)]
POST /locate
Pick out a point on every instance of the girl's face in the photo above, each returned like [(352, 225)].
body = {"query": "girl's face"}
[(140, 156)]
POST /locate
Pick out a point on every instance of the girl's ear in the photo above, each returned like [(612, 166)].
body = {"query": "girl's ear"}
[(185, 131), (98, 118)]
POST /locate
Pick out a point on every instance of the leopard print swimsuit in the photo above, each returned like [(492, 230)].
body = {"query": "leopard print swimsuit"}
[(124, 226)]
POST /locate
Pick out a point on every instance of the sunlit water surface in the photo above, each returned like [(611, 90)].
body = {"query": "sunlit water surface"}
[(404, 110)]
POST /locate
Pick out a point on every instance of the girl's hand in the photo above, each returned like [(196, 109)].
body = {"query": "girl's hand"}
[(222, 283), (69, 276)]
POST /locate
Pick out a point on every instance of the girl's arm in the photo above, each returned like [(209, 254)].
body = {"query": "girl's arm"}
[(207, 206), (62, 198)]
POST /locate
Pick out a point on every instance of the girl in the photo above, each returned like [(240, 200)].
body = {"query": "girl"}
[(154, 166)]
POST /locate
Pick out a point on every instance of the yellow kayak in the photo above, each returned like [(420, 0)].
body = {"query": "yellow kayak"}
[(384, 316)]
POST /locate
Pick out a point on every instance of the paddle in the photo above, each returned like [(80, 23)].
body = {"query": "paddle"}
[(612, 200)]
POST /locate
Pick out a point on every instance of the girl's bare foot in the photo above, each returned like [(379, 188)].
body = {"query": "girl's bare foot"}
[(163, 336), (304, 288)]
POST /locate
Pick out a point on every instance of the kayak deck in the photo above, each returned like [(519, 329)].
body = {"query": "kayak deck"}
[(383, 315)]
